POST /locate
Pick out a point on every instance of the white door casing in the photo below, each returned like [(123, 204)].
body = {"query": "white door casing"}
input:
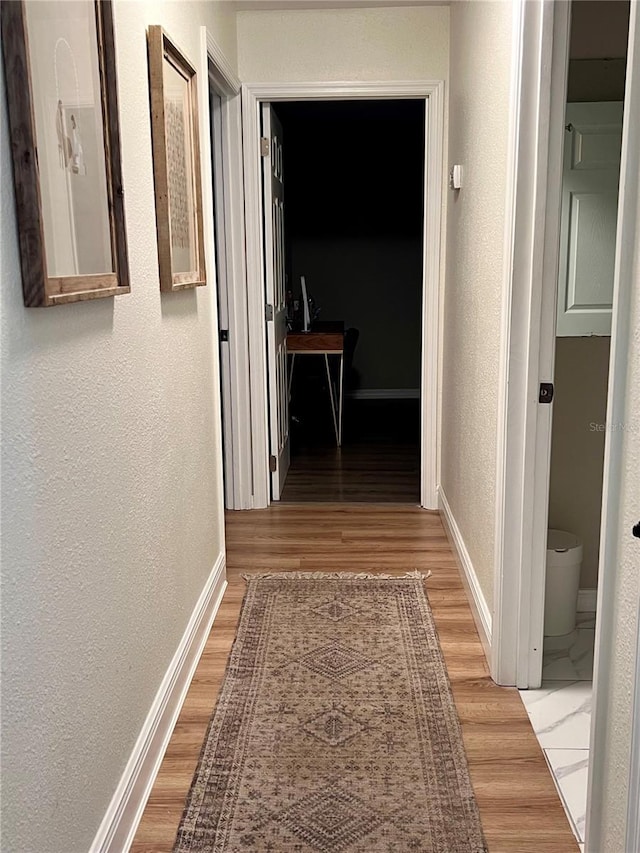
[(610, 747), (591, 173), (253, 96), (525, 357), (276, 293), (537, 141)]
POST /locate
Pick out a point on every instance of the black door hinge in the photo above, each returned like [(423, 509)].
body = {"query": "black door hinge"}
[(224, 335), (546, 392)]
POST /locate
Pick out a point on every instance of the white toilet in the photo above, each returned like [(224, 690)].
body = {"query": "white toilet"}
[(564, 560)]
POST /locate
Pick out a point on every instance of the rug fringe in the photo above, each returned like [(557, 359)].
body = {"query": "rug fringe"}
[(333, 575)]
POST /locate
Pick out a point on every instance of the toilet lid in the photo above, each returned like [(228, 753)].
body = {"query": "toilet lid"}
[(561, 540)]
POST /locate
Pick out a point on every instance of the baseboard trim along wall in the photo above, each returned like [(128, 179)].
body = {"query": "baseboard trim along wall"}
[(385, 394), (121, 820), (479, 607), (587, 599)]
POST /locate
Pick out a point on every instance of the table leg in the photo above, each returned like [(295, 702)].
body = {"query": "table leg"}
[(293, 361), (332, 398), (340, 397)]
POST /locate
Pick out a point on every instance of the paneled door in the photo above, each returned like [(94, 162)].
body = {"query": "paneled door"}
[(276, 308), (590, 180)]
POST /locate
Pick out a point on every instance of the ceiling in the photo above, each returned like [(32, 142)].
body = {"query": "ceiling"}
[(271, 5)]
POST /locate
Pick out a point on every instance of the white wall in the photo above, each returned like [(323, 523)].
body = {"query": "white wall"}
[(111, 468), (403, 43), (479, 114)]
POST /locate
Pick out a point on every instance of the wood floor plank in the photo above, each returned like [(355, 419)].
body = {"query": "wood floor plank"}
[(371, 472), (519, 806)]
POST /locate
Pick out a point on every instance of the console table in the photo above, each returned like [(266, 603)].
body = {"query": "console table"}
[(324, 339)]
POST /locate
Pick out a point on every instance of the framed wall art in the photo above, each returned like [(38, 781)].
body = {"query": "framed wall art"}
[(176, 164), (65, 140)]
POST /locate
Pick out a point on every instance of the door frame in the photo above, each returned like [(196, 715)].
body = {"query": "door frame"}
[(529, 297), (627, 268), (432, 91), (541, 38)]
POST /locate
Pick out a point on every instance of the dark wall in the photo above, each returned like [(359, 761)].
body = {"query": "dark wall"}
[(353, 175)]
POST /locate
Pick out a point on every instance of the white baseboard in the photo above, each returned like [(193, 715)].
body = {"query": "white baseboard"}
[(479, 607), (121, 820), (385, 394), (587, 600)]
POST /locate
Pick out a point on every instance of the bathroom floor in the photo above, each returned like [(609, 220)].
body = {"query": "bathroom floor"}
[(560, 713)]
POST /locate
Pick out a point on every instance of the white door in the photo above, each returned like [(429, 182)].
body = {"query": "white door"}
[(219, 227), (273, 190), (590, 180)]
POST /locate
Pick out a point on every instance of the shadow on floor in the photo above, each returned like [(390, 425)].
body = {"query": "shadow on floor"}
[(379, 460)]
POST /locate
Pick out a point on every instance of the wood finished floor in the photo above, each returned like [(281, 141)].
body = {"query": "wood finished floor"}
[(369, 473), (519, 806), (379, 461)]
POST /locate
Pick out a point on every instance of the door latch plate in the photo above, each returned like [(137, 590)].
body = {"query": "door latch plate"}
[(546, 392)]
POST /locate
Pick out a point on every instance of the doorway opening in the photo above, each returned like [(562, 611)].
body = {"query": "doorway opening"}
[(344, 225), (585, 197), (266, 399)]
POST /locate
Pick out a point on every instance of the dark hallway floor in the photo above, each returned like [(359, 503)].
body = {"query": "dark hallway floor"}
[(379, 460)]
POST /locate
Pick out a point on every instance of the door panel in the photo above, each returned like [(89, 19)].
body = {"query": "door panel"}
[(589, 214), (222, 291), (273, 190), (592, 242)]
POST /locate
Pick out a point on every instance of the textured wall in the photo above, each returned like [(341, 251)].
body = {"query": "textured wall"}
[(403, 43), (577, 444), (110, 493), (220, 18), (619, 667), (478, 121)]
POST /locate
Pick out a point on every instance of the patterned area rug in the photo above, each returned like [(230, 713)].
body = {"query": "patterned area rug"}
[(335, 730)]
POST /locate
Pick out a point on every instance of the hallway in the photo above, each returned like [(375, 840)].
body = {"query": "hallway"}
[(519, 807)]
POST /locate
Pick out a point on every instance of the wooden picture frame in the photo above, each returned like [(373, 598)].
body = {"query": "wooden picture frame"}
[(176, 164), (65, 139)]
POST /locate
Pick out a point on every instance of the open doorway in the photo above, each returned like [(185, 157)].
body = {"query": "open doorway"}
[(351, 234), (587, 189)]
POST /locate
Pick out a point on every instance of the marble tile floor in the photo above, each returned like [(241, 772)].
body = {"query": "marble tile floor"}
[(560, 713), (570, 768), (570, 657)]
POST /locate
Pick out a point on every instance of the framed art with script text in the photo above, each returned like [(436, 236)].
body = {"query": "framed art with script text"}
[(176, 164)]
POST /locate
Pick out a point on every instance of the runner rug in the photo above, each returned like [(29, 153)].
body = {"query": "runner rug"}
[(335, 730)]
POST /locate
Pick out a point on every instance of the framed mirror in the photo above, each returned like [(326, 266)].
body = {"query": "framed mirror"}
[(63, 114), (176, 164)]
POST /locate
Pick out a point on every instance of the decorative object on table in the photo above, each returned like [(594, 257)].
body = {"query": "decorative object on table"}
[(335, 729), (176, 164), (62, 99), (306, 320), (303, 312)]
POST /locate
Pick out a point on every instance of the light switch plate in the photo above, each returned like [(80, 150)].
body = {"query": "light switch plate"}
[(455, 177)]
